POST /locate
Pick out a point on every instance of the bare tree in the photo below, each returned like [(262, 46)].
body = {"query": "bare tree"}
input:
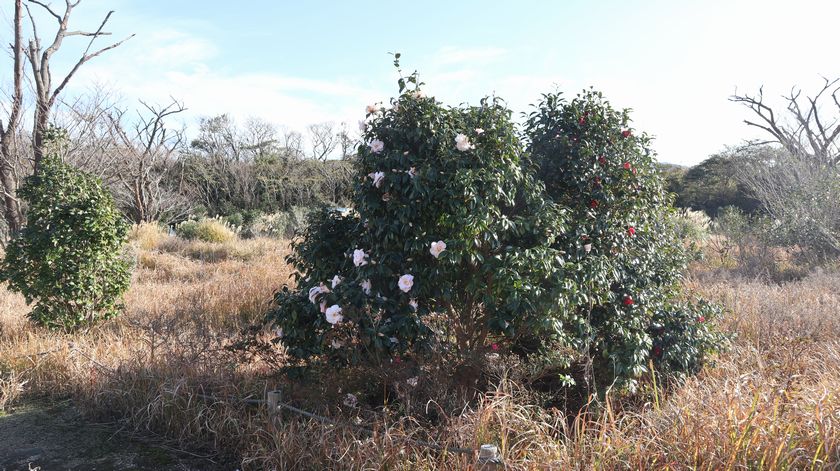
[(806, 130), (323, 138), (39, 58), (293, 144), (8, 131), (147, 171), (798, 180), (347, 143)]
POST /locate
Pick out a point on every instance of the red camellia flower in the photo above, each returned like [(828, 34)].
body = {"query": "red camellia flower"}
[(657, 351), (397, 360), (582, 121), (625, 133), (631, 230), (494, 347), (593, 204), (701, 319), (602, 160), (598, 181), (628, 301), (627, 166)]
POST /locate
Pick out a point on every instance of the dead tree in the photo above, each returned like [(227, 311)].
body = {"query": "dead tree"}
[(39, 58), (324, 140), (148, 163), (8, 132), (806, 129)]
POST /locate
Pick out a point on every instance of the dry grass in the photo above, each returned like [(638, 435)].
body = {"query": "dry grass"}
[(769, 403)]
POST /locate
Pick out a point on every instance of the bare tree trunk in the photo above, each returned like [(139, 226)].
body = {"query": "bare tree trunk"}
[(11, 205)]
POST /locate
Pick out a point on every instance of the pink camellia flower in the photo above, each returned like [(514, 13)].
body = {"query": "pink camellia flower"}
[(587, 248), (494, 347), (397, 360), (582, 121), (437, 248), (376, 146), (359, 257), (378, 178), (631, 230), (627, 166), (628, 301), (323, 307), (417, 94), (333, 314), (701, 319), (406, 282), (362, 126), (625, 133), (366, 287), (462, 143), (479, 131), (370, 109)]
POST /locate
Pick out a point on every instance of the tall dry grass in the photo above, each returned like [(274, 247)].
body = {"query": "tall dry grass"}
[(771, 402)]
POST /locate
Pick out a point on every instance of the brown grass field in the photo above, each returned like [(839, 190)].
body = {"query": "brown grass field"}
[(771, 402)]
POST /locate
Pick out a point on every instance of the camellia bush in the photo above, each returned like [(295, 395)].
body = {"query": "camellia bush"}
[(624, 252), (461, 238), (68, 259)]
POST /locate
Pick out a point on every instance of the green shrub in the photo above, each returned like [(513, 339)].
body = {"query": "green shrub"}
[(450, 175), (68, 260), (205, 230), (453, 244), (625, 256)]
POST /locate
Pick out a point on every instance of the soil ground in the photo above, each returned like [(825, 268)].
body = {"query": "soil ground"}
[(55, 436)]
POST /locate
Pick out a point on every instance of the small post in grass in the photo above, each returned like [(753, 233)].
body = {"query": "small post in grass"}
[(489, 457), (272, 400)]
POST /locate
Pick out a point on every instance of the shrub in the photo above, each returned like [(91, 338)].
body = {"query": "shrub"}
[(429, 176), (67, 260), (625, 258), (452, 243), (206, 230), (692, 225)]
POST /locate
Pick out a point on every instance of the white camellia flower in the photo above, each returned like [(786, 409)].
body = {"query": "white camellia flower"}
[(336, 281), (406, 282), (412, 172), (333, 314), (437, 248), (323, 307), (462, 143), (479, 131), (315, 291), (279, 333), (413, 304), (359, 257), (370, 109), (376, 146), (412, 381), (366, 287), (378, 177), (335, 344)]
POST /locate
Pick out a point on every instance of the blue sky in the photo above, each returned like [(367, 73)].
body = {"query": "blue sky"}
[(294, 63)]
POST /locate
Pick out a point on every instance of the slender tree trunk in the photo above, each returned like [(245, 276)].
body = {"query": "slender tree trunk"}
[(8, 183)]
